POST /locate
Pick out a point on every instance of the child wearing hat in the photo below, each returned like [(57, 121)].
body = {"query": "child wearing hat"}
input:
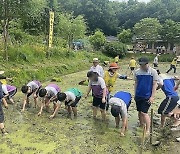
[(99, 90), (71, 97), (132, 65), (110, 77), (120, 103), (48, 94), (145, 89), (173, 65), (97, 68)]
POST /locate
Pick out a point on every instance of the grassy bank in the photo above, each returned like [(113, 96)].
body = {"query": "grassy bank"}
[(162, 58), (29, 62)]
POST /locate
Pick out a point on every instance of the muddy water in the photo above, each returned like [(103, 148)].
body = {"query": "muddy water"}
[(29, 133)]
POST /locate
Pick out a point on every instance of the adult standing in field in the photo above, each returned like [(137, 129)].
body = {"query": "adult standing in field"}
[(156, 61), (174, 50), (97, 68), (132, 65), (145, 89), (173, 65), (1, 112)]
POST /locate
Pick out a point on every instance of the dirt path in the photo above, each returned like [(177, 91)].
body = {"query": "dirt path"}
[(29, 133)]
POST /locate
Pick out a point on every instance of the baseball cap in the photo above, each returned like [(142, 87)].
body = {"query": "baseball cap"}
[(143, 61)]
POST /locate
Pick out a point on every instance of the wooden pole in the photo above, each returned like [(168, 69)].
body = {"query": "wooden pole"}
[(151, 131)]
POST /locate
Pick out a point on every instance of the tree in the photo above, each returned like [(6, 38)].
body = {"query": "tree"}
[(125, 36), (170, 31), (147, 29), (97, 40), (99, 14), (9, 10), (70, 27)]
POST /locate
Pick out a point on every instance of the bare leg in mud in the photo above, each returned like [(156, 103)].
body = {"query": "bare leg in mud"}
[(103, 114), (35, 102), (147, 122), (163, 120), (74, 109), (141, 119), (94, 112), (5, 103), (11, 100), (117, 119), (47, 102)]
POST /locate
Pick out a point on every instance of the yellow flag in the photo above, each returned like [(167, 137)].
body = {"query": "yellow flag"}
[(51, 23)]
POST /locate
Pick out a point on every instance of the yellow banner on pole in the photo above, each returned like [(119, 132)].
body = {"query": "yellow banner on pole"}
[(51, 24)]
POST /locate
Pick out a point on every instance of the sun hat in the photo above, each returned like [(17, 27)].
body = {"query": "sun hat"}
[(1, 72), (113, 66), (95, 59)]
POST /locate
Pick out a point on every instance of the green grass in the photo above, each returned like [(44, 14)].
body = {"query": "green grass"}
[(28, 62), (162, 58)]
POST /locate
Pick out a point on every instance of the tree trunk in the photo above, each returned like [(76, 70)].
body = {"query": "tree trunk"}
[(5, 35)]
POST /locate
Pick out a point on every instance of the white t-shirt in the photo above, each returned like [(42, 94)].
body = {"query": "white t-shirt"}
[(121, 104), (4, 88), (70, 97), (98, 69), (155, 60), (51, 91)]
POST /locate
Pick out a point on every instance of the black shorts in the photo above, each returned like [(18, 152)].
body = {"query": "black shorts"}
[(74, 104), (28, 95), (132, 68), (1, 114), (142, 104), (168, 105), (155, 65), (97, 102)]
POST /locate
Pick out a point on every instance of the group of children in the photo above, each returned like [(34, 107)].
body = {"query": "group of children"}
[(147, 81)]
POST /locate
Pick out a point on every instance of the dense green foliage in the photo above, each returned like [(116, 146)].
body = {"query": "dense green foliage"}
[(115, 48), (125, 36), (147, 29), (97, 40)]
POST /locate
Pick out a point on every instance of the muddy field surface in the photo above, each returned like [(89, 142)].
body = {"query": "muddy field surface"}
[(29, 133)]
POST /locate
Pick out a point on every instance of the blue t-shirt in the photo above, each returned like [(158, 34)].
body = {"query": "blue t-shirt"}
[(144, 81), (125, 96), (168, 85)]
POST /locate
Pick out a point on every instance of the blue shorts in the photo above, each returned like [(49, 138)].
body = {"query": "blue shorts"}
[(142, 104)]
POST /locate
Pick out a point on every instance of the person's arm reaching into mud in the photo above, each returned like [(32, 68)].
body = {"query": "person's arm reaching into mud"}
[(58, 105), (24, 103), (42, 106), (88, 91)]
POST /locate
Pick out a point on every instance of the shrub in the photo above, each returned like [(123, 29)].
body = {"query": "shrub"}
[(115, 48), (125, 36), (97, 40)]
